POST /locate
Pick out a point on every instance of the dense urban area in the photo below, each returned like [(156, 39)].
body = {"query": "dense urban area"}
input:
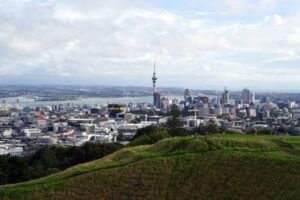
[(26, 128), (54, 130)]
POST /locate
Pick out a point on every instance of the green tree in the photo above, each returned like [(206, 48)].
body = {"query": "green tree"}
[(174, 122), (201, 130), (265, 131), (18, 169), (251, 131), (49, 160), (3, 170), (222, 130), (212, 129), (145, 131), (151, 138), (282, 129)]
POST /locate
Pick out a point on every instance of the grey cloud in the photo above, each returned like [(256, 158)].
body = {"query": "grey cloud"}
[(116, 40)]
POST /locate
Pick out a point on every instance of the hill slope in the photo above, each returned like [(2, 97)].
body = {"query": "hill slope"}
[(213, 167)]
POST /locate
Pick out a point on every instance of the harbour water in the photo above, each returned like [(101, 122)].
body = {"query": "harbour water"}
[(84, 101)]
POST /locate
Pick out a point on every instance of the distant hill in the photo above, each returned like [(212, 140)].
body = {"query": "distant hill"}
[(212, 167)]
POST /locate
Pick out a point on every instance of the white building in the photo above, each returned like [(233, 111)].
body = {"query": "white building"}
[(191, 122), (165, 104), (32, 132), (59, 125), (292, 105), (251, 112), (6, 133), (9, 149), (296, 114)]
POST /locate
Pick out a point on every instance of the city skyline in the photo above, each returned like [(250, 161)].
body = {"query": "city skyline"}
[(196, 44)]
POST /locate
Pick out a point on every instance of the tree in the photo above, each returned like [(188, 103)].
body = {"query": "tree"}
[(174, 122), (201, 130), (145, 131), (282, 129), (3, 170), (265, 131), (222, 130), (212, 129), (49, 160), (18, 169), (151, 138), (251, 131)]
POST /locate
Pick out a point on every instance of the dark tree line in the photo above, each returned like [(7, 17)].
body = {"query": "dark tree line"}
[(49, 160)]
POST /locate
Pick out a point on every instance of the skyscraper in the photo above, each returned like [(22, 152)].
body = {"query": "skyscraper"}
[(252, 97), (225, 96), (187, 94), (246, 96), (156, 100)]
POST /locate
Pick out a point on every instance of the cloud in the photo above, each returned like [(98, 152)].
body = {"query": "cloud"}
[(115, 42)]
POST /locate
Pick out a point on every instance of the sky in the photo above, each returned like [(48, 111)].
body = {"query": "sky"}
[(195, 43)]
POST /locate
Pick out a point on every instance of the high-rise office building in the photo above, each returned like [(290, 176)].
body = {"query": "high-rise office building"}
[(246, 96), (252, 97), (156, 100), (165, 105), (187, 94), (225, 96)]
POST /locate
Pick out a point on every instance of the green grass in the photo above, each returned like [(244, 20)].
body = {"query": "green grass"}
[(209, 167)]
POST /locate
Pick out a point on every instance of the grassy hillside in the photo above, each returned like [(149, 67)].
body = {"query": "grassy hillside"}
[(213, 167)]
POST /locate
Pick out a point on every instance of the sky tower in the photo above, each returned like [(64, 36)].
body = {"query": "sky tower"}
[(156, 95), (154, 79)]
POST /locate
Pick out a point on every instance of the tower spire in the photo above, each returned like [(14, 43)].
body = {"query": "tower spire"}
[(154, 78)]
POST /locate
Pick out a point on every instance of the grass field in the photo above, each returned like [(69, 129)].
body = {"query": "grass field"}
[(211, 167)]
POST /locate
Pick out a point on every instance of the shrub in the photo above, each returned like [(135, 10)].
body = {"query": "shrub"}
[(151, 138)]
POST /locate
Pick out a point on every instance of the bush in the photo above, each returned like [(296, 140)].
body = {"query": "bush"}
[(210, 129), (150, 138), (145, 131), (265, 131), (175, 132)]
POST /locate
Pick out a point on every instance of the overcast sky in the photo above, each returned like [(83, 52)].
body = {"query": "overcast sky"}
[(196, 43)]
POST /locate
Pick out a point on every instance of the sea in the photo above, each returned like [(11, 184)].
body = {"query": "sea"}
[(24, 101)]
